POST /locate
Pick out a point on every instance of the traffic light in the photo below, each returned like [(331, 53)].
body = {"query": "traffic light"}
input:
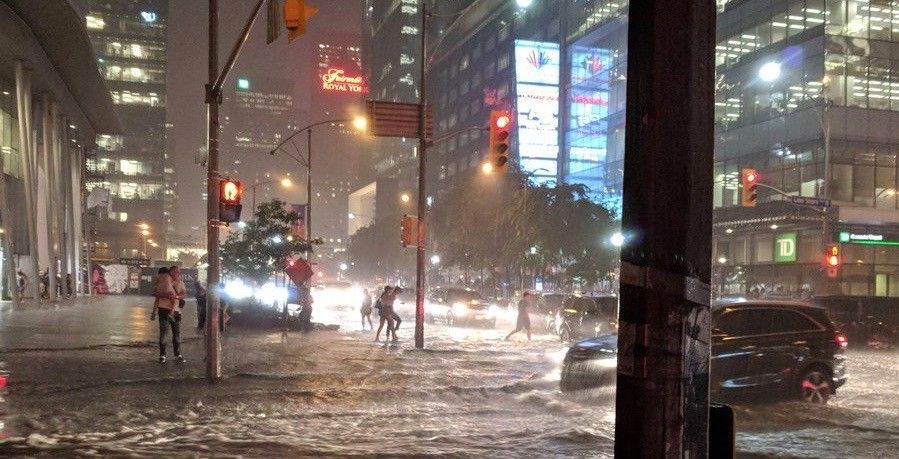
[(749, 195), (833, 259), (229, 200), (296, 13), (500, 131), (409, 232)]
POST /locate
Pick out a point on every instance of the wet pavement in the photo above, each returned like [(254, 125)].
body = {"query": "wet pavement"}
[(84, 381)]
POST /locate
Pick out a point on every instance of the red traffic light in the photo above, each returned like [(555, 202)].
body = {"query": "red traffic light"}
[(751, 177), (502, 121), (832, 256)]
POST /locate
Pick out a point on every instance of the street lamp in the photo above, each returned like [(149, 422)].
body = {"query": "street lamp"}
[(435, 259), (617, 239), (285, 182), (769, 72), (405, 198), (487, 168), (360, 123), (524, 3)]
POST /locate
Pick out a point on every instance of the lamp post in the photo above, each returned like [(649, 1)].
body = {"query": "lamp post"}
[(360, 123), (285, 182)]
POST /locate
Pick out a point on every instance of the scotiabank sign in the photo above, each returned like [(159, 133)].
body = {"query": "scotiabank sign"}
[(336, 80)]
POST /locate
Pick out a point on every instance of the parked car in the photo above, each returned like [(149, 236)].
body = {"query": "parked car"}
[(460, 306), (866, 320), (587, 316), (758, 347)]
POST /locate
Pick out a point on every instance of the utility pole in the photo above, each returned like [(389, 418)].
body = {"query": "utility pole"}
[(213, 100), (309, 192), (420, 262), (662, 407)]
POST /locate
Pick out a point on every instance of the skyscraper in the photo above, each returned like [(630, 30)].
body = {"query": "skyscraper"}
[(129, 39)]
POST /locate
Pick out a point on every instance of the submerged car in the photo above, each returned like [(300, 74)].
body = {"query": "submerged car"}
[(460, 307), (758, 347)]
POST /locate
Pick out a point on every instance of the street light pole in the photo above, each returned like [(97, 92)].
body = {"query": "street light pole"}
[(420, 262), (213, 101), (309, 190)]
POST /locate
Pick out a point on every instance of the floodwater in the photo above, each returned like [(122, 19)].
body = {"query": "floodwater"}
[(339, 394)]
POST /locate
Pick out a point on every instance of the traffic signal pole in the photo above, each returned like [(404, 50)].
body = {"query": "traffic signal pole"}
[(420, 262), (213, 102), (662, 407)]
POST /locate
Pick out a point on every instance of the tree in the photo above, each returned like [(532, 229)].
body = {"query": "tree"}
[(264, 245), (508, 224), (375, 250)]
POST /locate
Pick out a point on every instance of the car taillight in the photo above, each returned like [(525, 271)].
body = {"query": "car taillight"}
[(2, 382), (841, 339)]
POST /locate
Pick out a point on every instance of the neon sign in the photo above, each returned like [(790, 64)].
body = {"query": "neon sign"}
[(335, 79)]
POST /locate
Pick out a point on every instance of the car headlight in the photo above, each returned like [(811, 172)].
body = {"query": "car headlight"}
[(493, 310), (459, 309)]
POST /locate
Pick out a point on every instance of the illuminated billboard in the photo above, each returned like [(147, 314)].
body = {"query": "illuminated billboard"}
[(537, 88), (339, 80)]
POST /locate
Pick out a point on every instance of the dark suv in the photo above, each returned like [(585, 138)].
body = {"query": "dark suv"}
[(757, 347), (587, 316)]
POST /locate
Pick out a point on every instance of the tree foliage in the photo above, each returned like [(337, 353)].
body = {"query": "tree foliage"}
[(262, 248), (503, 226)]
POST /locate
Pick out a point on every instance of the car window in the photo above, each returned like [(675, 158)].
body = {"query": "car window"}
[(784, 321), (744, 322)]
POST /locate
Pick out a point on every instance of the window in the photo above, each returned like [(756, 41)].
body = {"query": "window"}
[(741, 322), (94, 22), (784, 321), (409, 30)]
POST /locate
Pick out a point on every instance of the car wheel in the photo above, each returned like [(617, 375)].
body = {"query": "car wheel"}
[(815, 386)]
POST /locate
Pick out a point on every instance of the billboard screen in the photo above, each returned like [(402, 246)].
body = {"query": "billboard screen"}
[(537, 88)]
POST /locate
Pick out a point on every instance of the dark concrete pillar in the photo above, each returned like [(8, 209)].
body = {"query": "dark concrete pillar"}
[(662, 399)]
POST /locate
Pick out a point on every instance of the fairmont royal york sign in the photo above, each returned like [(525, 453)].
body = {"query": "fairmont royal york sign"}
[(336, 80)]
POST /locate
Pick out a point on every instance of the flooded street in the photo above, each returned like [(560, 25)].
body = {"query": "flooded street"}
[(340, 394)]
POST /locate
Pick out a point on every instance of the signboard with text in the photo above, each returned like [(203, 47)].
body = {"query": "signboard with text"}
[(785, 247)]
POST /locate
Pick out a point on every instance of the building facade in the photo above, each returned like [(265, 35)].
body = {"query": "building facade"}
[(806, 97), (129, 38), (53, 104)]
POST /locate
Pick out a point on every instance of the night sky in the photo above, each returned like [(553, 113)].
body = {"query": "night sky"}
[(187, 73)]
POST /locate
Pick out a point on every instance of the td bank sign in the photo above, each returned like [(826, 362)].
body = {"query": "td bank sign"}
[(785, 247)]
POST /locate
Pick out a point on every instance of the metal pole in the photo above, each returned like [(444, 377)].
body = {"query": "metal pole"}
[(254, 201), (825, 124), (309, 190), (213, 99), (422, 148)]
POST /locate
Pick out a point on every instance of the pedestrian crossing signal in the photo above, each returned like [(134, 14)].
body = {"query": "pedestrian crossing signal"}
[(230, 192), (749, 195)]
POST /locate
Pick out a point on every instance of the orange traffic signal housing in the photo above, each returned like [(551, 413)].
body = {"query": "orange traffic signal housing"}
[(500, 138), (230, 192), (409, 231), (296, 13), (749, 179)]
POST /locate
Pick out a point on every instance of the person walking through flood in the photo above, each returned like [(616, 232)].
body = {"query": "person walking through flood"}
[(366, 309), (385, 313), (524, 316)]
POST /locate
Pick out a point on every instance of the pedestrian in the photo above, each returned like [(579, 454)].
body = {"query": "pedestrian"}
[(180, 289), (396, 317), (45, 283), (384, 313), (69, 289), (366, 309), (21, 283), (165, 307), (524, 317), (305, 315), (201, 305)]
